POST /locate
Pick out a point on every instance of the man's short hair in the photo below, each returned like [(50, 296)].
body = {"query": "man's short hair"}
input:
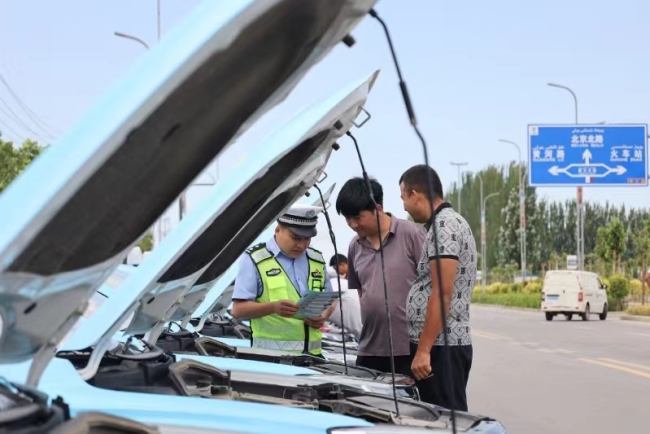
[(354, 198), (341, 260), (417, 178)]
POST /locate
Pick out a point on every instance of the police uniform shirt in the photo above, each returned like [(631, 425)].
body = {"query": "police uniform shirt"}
[(248, 285)]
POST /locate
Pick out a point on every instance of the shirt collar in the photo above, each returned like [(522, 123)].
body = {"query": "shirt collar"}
[(272, 246), (392, 230), (436, 212)]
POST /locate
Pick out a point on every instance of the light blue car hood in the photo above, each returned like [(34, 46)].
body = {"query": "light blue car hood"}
[(96, 191), (213, 236)]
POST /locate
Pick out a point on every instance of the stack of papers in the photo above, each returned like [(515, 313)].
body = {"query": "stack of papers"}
[(313, 304)]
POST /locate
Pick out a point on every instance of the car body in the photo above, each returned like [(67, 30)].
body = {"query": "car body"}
[(97, 190), (573, 292)]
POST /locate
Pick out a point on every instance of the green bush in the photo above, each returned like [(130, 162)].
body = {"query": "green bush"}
[(619, 288), (534, 287), (512, 299), (643, 310), (635, 287)]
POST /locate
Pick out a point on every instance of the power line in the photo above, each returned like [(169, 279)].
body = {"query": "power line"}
[(41, 124), (11, 114)]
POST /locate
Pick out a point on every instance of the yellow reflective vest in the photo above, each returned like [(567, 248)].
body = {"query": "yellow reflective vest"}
[(277, 332)]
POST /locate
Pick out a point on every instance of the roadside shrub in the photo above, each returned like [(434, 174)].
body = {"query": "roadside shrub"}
[(512, 299), (635, 287), (643, 310), (534, 287), (619, 288)]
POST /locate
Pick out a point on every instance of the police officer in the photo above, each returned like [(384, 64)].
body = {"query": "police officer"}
[(272, 278)]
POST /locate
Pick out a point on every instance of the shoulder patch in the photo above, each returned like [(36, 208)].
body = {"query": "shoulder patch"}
[(315, 255), (273, 272), (316, 274)]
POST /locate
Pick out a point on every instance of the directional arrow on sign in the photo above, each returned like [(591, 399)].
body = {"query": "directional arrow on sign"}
[(619, 170), (586, 156)]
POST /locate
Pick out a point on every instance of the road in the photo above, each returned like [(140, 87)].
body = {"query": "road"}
[(559, 377)]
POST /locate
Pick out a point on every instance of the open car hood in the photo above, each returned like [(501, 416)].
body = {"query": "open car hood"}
[(97, 190), (212, 237), (215, 296)]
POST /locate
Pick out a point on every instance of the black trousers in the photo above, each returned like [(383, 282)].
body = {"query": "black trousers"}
[(402, 364), (448, 384)]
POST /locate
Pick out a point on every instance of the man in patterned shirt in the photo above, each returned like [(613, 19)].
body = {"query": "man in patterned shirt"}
[(439, 382)]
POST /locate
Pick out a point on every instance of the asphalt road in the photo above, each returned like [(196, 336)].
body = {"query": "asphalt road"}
[(557, 377)]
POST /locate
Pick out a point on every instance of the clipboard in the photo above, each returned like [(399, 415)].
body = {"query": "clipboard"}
[(313, 304)]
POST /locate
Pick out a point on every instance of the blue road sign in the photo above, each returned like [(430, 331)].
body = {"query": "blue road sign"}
[(587, 155)]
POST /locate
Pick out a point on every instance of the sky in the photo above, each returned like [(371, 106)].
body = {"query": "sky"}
[(476, 71)]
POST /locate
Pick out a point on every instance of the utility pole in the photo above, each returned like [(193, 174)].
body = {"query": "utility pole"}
[(522, 211), (459, 165), (484, 271), (580, 210)]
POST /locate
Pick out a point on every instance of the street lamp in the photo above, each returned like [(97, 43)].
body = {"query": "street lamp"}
[(580, 226), (522, 210), (484, 270), (459, 165), (131, 37)]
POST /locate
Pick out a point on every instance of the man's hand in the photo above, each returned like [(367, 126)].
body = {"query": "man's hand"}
[(316, 322), (421, 366), (285, 308)]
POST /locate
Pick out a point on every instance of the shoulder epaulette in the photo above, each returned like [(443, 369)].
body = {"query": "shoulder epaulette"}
[(256, 247), (259, 253), (315, 255)]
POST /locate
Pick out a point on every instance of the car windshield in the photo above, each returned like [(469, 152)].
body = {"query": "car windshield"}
[(554, 279)]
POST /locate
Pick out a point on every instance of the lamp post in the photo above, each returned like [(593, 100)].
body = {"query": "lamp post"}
[(459, 165), (484, 270), (580, 211), (522, 211)]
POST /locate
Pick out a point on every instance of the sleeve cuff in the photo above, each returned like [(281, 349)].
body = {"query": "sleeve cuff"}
[(434, 258)]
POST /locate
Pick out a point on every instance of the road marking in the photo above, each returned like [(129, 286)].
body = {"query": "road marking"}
[(555, 351), (631, 365), (617, 367), (564, 351), (532, 343)]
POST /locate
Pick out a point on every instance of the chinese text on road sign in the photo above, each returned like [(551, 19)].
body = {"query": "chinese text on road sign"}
[(585, 155)]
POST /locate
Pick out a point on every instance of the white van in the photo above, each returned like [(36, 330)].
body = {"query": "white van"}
[(570, 292)]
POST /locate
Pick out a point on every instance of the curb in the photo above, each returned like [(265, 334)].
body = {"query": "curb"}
[(532, 309), (639, 318)]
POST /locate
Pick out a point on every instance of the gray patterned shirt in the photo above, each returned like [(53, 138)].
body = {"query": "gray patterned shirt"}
[(455, 240)]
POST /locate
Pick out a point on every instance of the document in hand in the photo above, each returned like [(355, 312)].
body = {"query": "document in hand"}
[(315, 303)]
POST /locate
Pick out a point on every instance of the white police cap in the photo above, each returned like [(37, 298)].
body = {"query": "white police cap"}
[(301, 220)]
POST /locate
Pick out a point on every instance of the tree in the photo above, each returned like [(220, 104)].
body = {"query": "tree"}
[(14, 160), (146, 243), (602, 248), (642, 247), (616, 242)]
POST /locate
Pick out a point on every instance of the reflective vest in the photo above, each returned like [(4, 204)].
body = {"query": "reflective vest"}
[(277, 332)]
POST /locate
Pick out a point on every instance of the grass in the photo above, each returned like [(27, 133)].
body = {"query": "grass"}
[(511, 299), (641, 310)]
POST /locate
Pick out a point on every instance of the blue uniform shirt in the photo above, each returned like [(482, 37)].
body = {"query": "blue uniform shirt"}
[(248, 285)]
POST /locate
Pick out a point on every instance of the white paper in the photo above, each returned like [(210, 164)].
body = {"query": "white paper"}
[(313, 304)]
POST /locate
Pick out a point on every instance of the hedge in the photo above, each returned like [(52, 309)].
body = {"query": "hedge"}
[(528, 294), (643, 310)]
